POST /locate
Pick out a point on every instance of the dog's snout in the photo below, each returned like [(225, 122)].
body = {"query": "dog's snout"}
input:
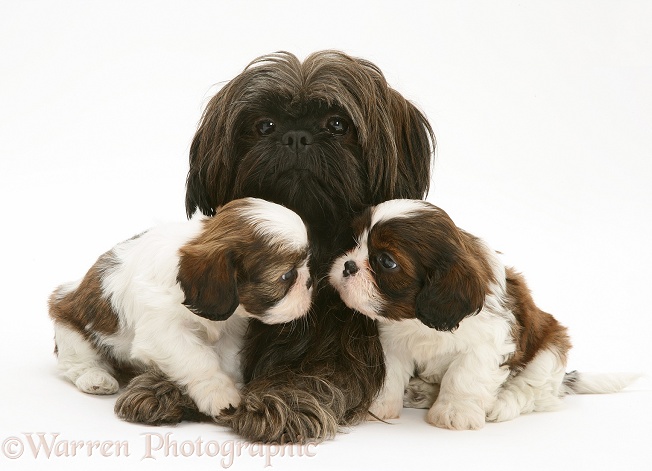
[(297, 140), (350, 268)]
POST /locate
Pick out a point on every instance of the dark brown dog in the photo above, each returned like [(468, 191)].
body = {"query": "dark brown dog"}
[(327, 138)]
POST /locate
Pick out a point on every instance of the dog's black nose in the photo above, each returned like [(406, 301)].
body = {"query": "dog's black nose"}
[(297, 140), (350, 268)]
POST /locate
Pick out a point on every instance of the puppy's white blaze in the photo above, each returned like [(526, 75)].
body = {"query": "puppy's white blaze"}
[(398, 208), (280, 223), (358, 291), (295, 303)]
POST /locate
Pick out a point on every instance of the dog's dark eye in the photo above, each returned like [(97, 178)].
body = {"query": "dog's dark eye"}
[(290, 276), (386, 261), (265, 127), (337, 125)]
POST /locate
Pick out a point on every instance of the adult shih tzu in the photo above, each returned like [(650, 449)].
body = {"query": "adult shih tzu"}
[(177, 297), (326, 137), (452, 313)]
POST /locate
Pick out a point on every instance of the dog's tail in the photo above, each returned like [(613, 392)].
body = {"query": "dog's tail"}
[(596, 383), (290, 409)]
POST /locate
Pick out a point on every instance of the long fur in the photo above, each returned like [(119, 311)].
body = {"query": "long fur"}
[(308, 378)]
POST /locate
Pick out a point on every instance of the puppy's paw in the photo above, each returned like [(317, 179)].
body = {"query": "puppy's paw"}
[(505, 408), (215, 395), (386, 408), (420, 394), (457, 415), (97, 381)]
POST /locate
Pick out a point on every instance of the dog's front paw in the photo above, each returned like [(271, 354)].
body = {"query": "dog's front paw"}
[(215, 395), (386, 408), (151, 398), (458, 415), (420, 394)]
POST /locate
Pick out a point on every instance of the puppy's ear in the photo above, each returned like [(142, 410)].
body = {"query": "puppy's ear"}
[(450, 295), (209, 284)]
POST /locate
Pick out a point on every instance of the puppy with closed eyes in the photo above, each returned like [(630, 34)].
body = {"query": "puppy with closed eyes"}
[(326, 137), (452, 313), (177, 298)]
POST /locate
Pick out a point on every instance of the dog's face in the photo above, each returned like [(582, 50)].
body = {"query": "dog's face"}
[(411, 261), (326, 138), (252, 255)]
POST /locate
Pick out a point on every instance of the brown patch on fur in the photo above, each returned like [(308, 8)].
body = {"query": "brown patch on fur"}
[(535, 329), (87, 309)]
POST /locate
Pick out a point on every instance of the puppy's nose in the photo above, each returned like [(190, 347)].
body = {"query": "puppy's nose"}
[(350, 268), (297, 140)]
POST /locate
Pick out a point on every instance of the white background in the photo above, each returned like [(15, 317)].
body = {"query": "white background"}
[(543, 115)]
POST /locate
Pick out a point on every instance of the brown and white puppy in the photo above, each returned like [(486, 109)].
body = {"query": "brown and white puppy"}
[(325, 137), (467, 322), (165, 299)]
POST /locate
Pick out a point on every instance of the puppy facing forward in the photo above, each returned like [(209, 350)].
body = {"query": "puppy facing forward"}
[(165, 298), (467, 322)]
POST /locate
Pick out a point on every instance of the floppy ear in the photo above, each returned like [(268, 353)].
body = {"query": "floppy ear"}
[(449, 296), (401, 151), (415, 145), (209, 284), (210, 174)]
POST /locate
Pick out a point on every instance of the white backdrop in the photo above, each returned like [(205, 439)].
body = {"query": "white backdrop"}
[(543, 115)]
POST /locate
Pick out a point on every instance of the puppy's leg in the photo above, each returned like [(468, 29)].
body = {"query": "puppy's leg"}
[(81, 363), (389, 402), (535, 388), (189, 362), (468, 390)]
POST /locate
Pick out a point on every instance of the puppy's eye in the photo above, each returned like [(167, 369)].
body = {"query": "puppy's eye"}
[(290, 276), (265, 127), (387, 262), (337, 125)]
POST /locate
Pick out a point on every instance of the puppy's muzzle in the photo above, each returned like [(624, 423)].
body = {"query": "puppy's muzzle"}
[(350, 268)]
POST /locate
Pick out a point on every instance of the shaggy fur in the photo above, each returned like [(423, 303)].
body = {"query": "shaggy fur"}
[(153, 399), (326, 137)]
